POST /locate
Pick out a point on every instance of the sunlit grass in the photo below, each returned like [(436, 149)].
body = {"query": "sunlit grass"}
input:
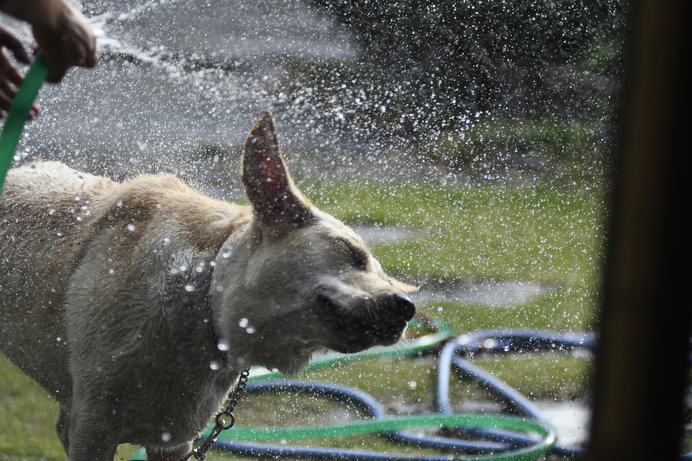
[(540, 233)]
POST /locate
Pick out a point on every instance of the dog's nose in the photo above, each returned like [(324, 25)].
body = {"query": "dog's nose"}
[(403, 306)]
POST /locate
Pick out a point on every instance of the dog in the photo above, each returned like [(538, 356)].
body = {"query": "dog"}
[(136, 304)]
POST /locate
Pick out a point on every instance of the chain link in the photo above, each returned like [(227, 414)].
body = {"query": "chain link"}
[(220, 423)]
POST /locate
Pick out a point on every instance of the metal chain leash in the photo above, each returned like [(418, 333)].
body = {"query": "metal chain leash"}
[(220, 423)]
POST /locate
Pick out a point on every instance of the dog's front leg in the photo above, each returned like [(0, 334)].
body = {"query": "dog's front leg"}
[(63, 428), (91, 444), (91, 437)]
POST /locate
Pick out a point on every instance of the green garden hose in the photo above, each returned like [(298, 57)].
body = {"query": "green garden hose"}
[(547, 434), (19, 113), (544, 443), (442, 333)]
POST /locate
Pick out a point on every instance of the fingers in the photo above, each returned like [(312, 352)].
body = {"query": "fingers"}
[(70, 43), (7, 94), (10, 77), (5, 101), (8, 72), (13, 44), (66, 40)]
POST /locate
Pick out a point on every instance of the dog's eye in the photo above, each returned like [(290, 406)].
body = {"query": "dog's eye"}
[(357, 255)]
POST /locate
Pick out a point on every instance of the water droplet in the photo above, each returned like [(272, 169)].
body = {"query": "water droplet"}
[(52, 211), (250, 330), (412, 385), (223, 345), (131, 227), (243, 323), (214, 365), (166, 437), (489, 343), (189, 288), (225, 255)]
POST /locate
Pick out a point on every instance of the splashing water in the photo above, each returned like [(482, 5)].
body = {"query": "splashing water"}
[(180, 83), (175, 78)]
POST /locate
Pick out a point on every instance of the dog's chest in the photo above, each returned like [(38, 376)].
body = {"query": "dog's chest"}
[(181, 411)]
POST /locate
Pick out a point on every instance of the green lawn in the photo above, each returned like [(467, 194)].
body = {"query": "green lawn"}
[(547, 234)]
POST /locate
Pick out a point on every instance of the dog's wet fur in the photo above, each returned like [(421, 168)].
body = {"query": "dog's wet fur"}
[(137, 303)]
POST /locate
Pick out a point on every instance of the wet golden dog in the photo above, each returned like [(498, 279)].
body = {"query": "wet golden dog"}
[(136, 304)]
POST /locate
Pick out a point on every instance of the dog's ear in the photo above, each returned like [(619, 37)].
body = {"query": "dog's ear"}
[(276, 200)]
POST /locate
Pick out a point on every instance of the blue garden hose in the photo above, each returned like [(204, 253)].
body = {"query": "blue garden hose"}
[(485, 440), (505, 340), (236, 442)]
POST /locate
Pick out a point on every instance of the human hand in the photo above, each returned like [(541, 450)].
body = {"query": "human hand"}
[(10, 77), (65, 42)]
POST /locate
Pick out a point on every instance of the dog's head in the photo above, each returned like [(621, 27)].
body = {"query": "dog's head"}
[(298, 280)]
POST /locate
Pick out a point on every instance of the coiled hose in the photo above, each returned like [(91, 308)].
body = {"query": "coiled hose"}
[(524, 436)]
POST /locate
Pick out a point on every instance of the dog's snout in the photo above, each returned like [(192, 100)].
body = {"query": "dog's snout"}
[(402, 306)]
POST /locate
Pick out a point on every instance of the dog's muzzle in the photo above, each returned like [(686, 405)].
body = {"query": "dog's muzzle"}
[(366, 323)]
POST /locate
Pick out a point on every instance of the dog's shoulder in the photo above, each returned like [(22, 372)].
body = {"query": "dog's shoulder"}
[(164, 201)]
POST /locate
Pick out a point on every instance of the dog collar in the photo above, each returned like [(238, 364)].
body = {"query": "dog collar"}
[(216, 342)]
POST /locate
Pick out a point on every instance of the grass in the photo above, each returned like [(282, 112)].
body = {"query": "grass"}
[(543, 234), (539, 233), (27, 417)]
